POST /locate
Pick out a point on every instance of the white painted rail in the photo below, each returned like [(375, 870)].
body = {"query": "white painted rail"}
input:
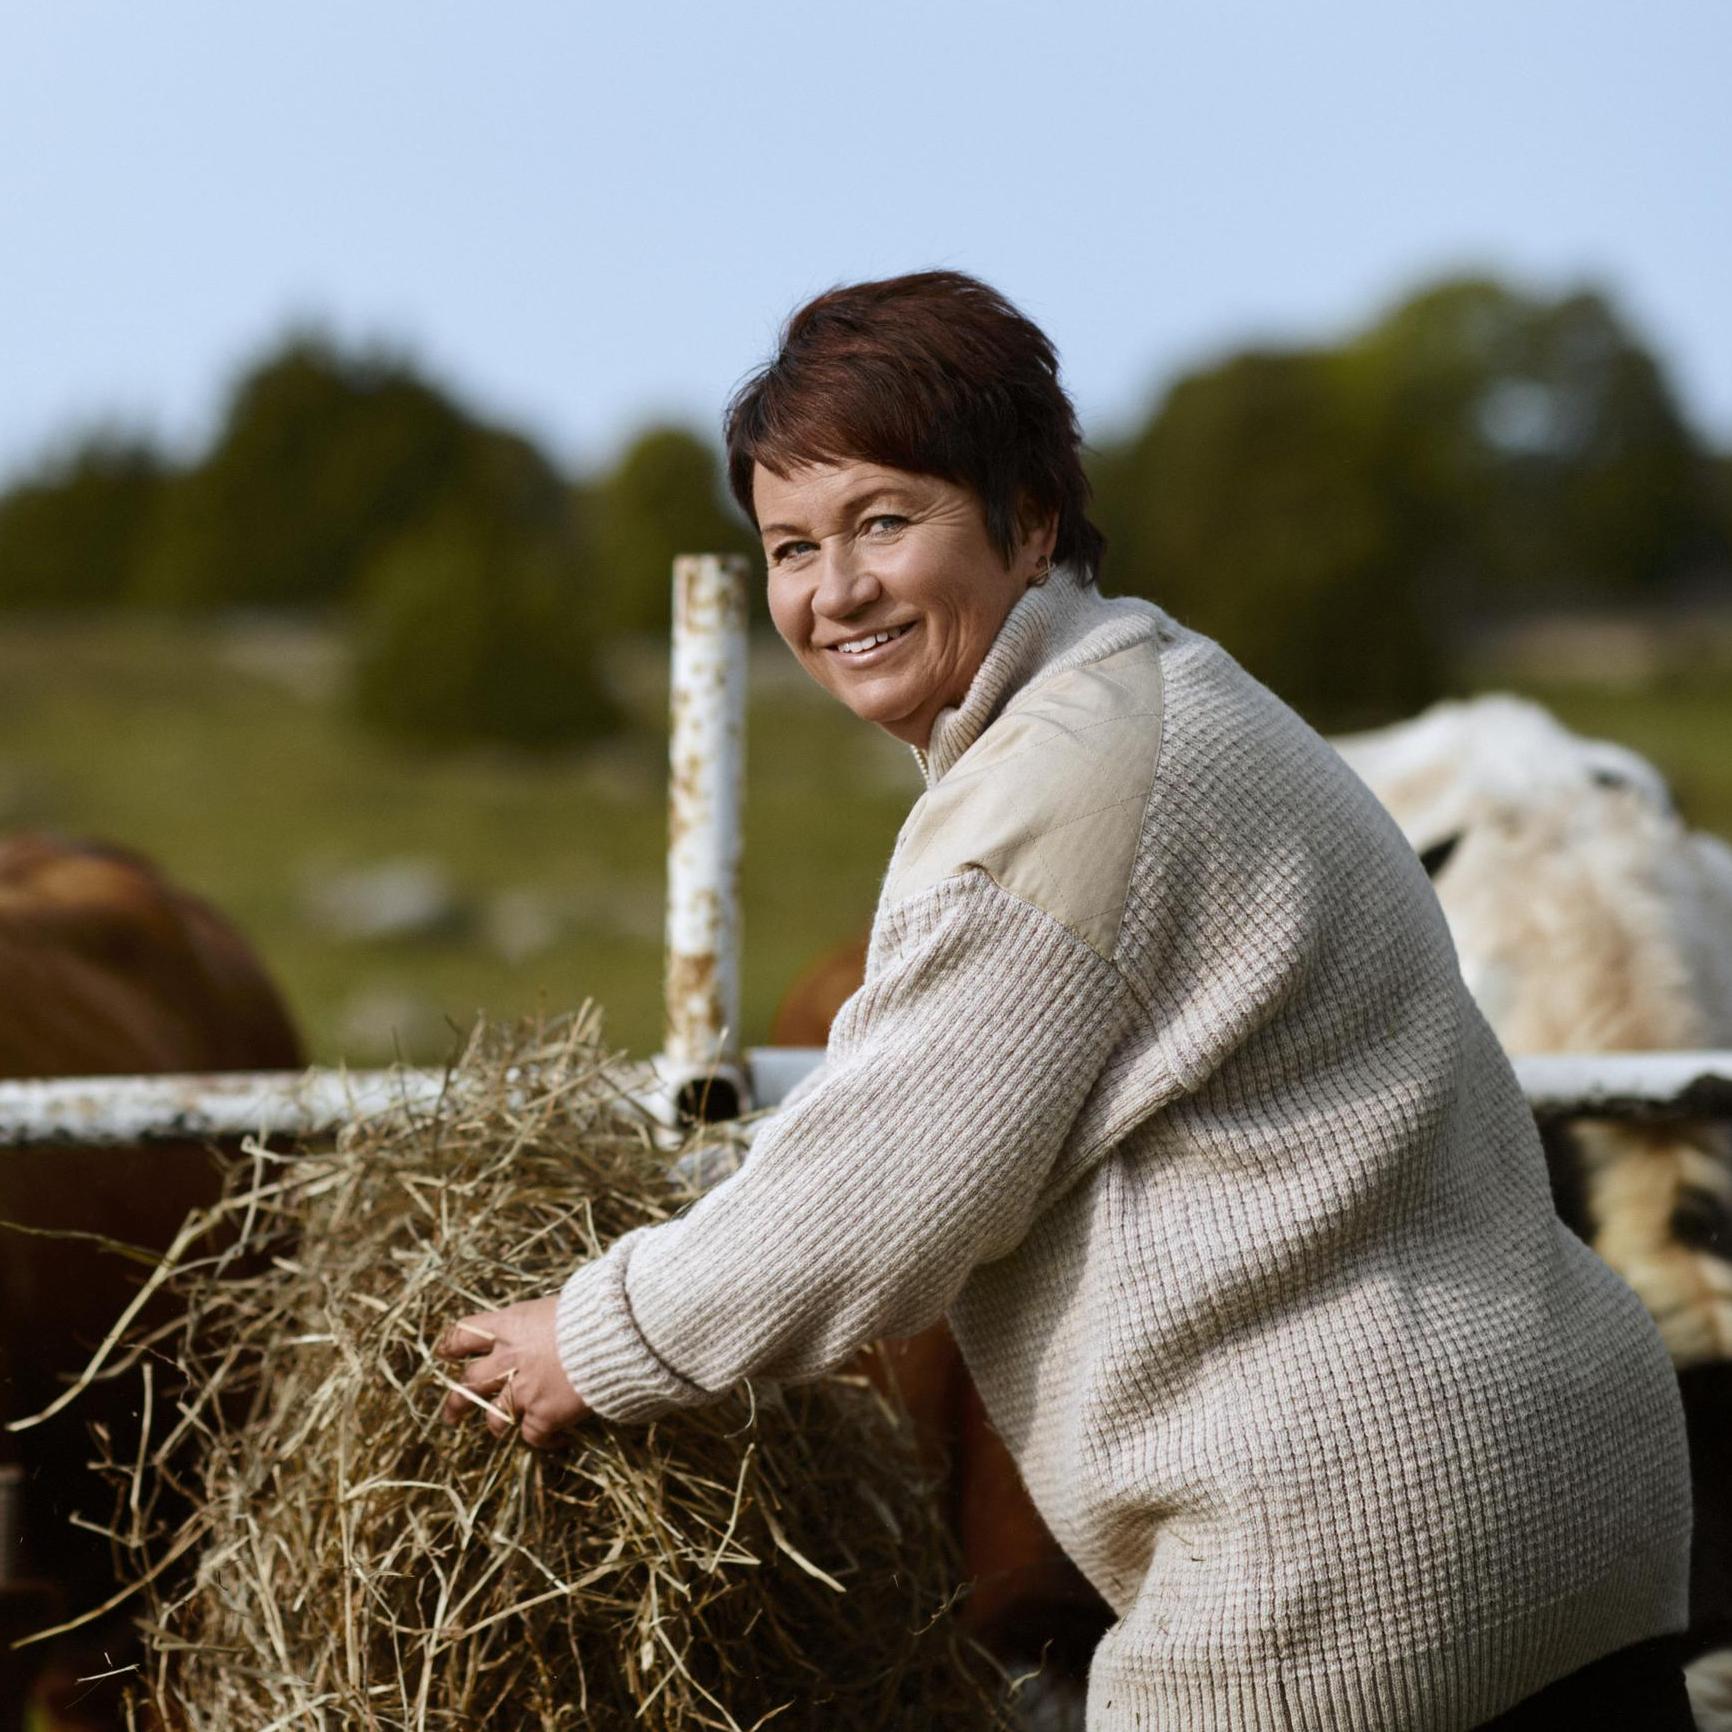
[(105, 1110), (135, 1109), (1628, 1085), (94, 1111)]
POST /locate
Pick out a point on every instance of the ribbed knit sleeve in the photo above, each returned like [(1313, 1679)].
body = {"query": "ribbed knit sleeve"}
[(951, 1081)]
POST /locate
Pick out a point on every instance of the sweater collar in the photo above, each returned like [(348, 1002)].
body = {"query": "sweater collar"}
[(1060, 623)]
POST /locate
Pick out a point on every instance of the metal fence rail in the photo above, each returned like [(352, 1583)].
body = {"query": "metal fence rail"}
[(91, 1112), (107, 1110), (1628, 1085)]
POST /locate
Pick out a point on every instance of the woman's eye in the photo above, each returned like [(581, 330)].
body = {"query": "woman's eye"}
[(889, 517), (786, 550)]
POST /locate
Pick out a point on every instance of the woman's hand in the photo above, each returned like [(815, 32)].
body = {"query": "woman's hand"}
[(513, 1363)]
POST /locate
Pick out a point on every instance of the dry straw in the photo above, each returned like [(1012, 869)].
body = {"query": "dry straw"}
[(320, 1552)]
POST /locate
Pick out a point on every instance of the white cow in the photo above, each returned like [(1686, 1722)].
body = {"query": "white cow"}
[(1589, 918)]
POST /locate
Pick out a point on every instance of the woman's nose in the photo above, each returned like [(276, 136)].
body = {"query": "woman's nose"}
[(845, 585)]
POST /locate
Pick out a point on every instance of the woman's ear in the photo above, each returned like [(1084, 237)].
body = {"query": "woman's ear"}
[(1039, 537)]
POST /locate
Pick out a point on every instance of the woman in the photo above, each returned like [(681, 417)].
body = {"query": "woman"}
[(1163, 1086)]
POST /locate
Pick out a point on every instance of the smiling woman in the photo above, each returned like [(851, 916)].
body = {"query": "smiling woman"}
[(890, 610), (915, 500), (1164, 1089)]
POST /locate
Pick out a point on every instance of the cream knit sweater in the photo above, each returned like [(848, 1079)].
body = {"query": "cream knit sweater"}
[(1164, 1087)]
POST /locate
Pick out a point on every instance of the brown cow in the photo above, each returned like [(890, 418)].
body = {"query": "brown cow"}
[(109, 969)]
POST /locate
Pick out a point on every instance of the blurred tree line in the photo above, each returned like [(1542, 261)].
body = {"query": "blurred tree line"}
[(477, 583), (1336, 515), (1344, 518)]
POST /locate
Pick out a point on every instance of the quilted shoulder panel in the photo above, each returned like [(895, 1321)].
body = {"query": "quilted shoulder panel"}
[(1050, 800)]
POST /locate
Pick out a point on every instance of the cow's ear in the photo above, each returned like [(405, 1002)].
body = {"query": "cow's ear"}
[(1436, 855)]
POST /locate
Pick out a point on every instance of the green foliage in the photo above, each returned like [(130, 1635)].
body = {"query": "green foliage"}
[(1250, 508), (663, 497), (73, 534), (1720, 496), (1538, 449), (1337, 516), (323, 457), (1334, 516), (474, 623)]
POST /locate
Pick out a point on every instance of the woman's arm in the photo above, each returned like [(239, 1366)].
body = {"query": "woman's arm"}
[(951, 1083)]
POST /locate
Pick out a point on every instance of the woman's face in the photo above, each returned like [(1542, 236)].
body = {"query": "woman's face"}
[(855, 549)]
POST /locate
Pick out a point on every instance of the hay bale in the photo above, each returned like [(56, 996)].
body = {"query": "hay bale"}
[(350, 1562)]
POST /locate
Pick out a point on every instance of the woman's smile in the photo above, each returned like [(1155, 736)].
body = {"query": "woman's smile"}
[(869, 649)]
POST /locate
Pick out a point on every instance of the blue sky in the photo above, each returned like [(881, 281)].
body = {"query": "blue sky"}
[(582, 217)]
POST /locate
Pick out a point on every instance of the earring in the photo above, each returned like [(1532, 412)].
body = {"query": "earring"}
[(1043, 570)]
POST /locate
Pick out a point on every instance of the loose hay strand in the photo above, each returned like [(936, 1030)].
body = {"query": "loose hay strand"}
[(355, 1563)]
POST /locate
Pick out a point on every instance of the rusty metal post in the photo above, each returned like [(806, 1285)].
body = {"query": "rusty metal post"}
[(700, 1059)]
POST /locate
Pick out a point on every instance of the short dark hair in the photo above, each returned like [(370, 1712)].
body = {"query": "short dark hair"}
[(934, 373)]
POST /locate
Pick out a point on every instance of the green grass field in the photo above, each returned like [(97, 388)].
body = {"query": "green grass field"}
[(227, 757), (221, 758)]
